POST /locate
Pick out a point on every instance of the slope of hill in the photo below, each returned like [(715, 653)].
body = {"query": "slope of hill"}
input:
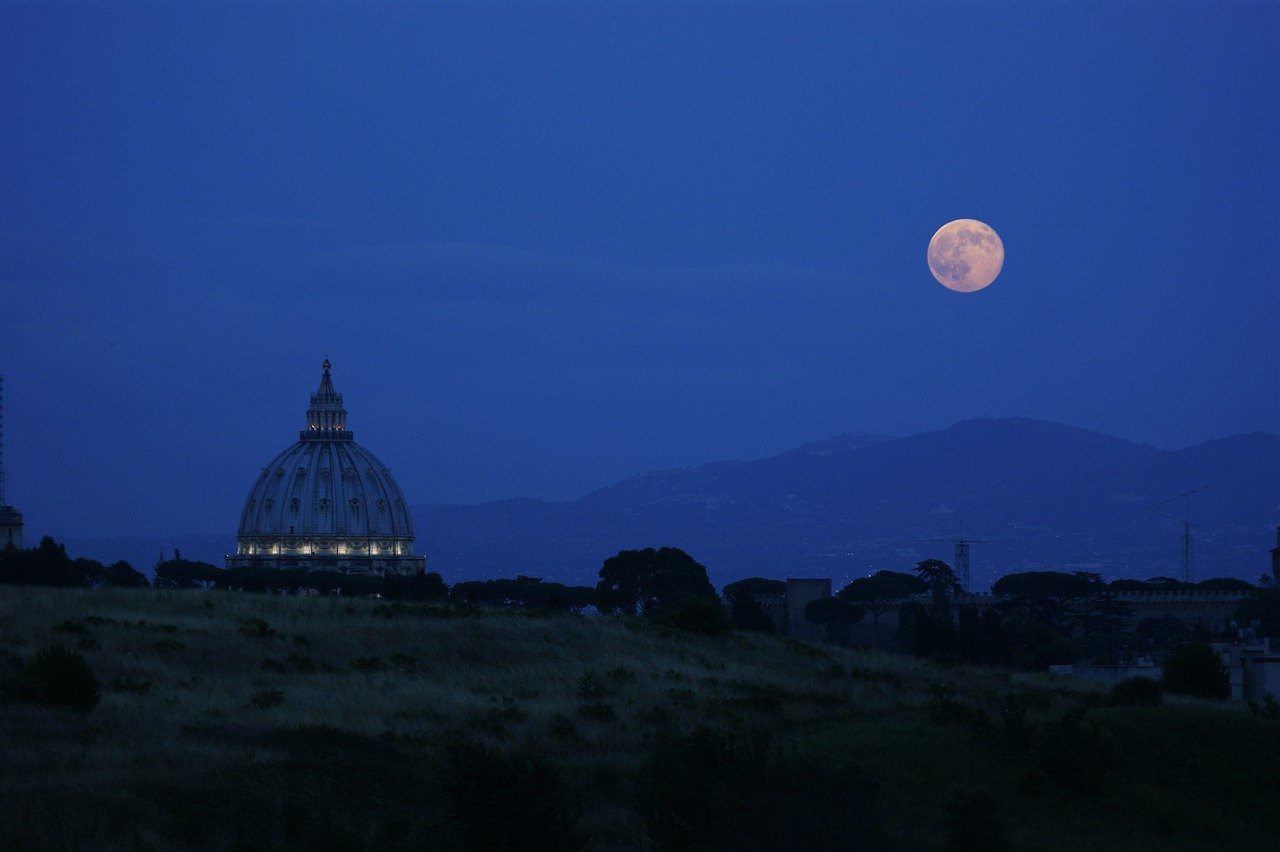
[(1044, 494), (237, 720)]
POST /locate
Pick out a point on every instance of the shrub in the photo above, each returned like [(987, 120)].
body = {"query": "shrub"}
[(1073, 754), (835, 671), (301, 664), (1196, 669), (945, 710), (598, 711), (696, 615), (502, 802), (130, 685), (1268, 709), (1136, 692), (562, 727), (590, 687), (706, 791), (257, 629), (58, 676), (267, 698), (877, 676), (1013, 721), (494, 720), (621, 674), (974, 822)]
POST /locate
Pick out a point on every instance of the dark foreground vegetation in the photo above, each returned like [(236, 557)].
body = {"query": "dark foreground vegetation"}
[(215, 719)]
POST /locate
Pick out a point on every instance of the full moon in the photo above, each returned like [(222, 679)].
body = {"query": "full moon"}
[(965, 255)]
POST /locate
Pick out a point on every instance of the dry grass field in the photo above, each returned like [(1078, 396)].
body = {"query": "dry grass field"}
[(244, 721)]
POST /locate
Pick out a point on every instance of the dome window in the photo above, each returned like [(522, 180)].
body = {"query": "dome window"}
[(324, 504), (293, 505), (302, 471), (355, 505), (382, 504), (268, 503)]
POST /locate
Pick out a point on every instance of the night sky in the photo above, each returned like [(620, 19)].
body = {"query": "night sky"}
[(548, 246)]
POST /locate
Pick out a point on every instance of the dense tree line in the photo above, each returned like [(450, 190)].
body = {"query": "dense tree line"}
[(47, 564), (1039, 618)]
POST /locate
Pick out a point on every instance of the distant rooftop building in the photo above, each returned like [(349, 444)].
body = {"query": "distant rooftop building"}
[(10, 518), (326, 504)]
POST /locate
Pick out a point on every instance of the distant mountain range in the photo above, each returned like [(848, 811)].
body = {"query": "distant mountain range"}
[(1044, 495), (1031, 495)]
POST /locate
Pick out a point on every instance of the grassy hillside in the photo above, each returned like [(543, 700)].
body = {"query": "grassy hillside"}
[(232, 720)]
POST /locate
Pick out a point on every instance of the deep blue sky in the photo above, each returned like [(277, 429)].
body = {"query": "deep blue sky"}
[(548, 246)]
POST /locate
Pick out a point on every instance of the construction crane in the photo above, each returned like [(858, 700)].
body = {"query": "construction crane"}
[(962, 556), (1187, 526)]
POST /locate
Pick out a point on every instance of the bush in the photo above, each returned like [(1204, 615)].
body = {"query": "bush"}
[(707, 791), (1197, 670), (501, 801), (697, 615), (974, 822), (590, 688), (1073, 753), (267, 698), (1136, 692), (256, 628), (598, 711), (58, 676)]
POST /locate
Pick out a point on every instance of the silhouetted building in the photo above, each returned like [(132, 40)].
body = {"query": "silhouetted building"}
[(326, 504), (10, 527), (800, 593)]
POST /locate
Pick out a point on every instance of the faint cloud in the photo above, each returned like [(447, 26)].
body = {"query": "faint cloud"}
[(483, 272)]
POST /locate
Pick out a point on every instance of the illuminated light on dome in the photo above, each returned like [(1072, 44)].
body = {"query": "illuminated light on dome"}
[(326, 503)]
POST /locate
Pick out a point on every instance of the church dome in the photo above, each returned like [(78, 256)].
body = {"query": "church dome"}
[(326, 503)]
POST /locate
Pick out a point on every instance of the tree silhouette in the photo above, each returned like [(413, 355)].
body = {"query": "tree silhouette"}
[(939, 579), (744, 597), (647, 580), (880, 592), (1196, 669), (837, 615)]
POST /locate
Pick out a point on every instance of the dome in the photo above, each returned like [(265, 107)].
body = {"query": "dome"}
[(326, 503)]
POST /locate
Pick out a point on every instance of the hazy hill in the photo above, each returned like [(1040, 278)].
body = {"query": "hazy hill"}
[(1049, 495)]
